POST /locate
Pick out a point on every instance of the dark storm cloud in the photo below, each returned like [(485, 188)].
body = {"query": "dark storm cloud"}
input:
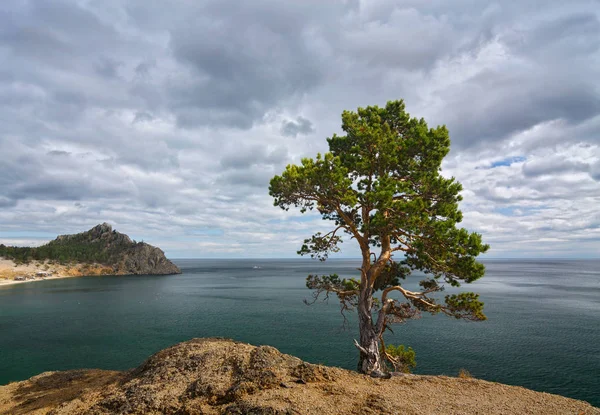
[(547, 73), (300, 126), (57, 32), (62, 59), (55, 175), (6, 202), (17, 169), (142, 116), (515, 104), (562, 34), (58, 153), (244, 60), (595, 171), (49, 188)]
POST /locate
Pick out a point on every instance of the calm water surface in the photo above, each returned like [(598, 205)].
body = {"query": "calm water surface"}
[(543, 330)]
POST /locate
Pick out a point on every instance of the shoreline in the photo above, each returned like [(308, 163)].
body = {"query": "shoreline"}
[(7, 282), (12, 273)]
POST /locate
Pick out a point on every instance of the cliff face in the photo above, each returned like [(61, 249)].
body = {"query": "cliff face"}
[(216, 376), (118, 251), (147, 259)]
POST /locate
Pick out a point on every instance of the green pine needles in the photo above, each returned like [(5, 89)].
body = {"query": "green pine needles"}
[(380, 186), (399, 358)]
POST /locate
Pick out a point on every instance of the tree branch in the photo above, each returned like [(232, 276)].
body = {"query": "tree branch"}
[(384, 257), (400, 248), (410, 295), (360, 348), (352, 228)]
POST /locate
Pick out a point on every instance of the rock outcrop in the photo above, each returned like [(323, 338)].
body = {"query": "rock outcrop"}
[(147, 259), (120, 252), (217, 376)]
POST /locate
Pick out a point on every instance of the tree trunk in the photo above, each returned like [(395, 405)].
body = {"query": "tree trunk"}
[(370, 358)]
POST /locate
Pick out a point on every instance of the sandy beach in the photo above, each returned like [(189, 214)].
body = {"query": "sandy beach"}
[(11, 273), (4, 281)]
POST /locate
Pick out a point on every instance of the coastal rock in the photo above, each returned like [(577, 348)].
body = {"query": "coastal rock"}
[(219, 376), (144, 259), (124, 255)]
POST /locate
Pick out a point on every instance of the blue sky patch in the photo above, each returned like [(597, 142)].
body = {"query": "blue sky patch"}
[(508, 161)]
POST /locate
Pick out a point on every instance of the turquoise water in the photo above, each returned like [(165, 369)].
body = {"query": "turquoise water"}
[(543, 330)]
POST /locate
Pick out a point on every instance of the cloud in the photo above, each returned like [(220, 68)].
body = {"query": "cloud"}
[(142, 116), (550, 166), (58, 153), (245, 157), (300, 126), (6, 202), (377, 39), (161, 120), (239, 65)]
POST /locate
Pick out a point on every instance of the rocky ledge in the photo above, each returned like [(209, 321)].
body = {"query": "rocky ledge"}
[(217, 376)]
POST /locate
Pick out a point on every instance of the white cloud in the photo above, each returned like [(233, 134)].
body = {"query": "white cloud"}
[(130, 113)]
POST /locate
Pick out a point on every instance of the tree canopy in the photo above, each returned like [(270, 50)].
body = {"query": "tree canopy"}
[(75, 248), (380, 184)]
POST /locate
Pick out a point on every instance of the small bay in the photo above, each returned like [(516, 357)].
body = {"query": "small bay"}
[(542, 332)]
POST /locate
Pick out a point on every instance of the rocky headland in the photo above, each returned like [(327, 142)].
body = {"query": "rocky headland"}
[(218, 376), (99, 251)]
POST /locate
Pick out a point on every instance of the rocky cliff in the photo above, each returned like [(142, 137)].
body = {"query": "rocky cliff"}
[(217, 376), (99, 251), (118, 251)]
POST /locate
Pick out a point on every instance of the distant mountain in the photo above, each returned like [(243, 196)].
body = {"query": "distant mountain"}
[(100, 245)]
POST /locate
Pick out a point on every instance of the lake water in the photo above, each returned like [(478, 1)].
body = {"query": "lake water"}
[(542, 332)]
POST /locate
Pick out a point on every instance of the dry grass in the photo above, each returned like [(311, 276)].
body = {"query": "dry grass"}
[(464, 374)]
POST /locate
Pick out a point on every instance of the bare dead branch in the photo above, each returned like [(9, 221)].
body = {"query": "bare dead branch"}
[(360, 348)]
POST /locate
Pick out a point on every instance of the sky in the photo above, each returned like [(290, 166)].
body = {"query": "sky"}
[(168, 121)]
